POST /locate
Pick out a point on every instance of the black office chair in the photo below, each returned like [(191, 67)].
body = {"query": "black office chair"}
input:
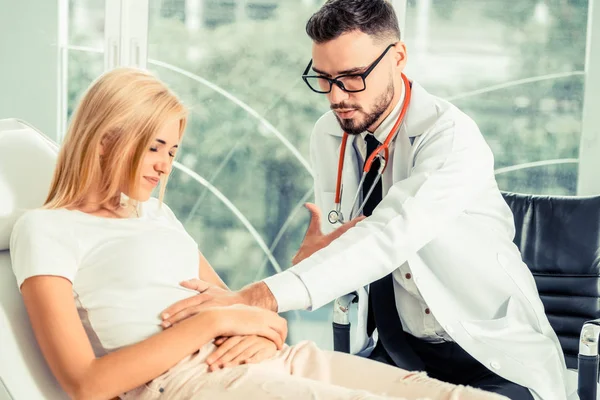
[(559, 238)]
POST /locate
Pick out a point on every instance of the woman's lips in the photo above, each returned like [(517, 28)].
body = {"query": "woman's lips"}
[(153, 181)]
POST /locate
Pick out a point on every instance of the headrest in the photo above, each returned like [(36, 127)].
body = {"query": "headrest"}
[(27, 161)]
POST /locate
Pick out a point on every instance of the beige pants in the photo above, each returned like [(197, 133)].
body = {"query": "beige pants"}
[(300, 372)]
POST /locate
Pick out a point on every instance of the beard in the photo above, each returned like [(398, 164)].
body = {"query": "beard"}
[(354, 127)]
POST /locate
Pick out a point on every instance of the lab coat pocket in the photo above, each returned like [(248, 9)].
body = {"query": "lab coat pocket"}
[(513, 349), (508, 323), (486, 328), (492, 330), (511, 338)]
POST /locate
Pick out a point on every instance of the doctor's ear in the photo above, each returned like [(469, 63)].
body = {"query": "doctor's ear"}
[(400, 54)]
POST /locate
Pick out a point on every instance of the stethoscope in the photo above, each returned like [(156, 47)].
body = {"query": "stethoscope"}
[(335, 215)]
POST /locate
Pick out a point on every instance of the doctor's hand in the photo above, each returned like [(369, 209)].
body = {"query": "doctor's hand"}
[(315, 240), (209, 295)]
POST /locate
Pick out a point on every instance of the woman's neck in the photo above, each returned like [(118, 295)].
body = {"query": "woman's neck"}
[(126, 208)]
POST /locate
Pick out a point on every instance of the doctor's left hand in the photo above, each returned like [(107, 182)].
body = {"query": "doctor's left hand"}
[(315, 240), (209, 295)]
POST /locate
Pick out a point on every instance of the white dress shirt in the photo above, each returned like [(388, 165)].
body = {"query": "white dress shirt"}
[(414, 313)]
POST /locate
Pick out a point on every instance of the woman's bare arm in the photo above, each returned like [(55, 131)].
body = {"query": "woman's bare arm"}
[(68, 352), (65, 345)]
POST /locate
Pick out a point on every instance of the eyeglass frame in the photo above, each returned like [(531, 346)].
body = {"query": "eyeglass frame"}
[(339, 83)]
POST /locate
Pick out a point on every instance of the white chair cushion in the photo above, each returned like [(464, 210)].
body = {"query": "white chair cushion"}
[(24, 374), (27, 161)]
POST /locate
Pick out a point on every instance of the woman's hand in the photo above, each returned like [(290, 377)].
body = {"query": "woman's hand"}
[(238, 350), (242, 320)]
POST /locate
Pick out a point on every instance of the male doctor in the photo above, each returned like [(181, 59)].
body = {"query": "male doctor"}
[(448, 292)]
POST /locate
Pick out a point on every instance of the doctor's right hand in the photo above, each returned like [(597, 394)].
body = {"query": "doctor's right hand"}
[(315, 240), (243, 320)]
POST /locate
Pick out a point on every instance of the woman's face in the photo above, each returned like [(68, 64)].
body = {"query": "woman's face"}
[(158, 159)]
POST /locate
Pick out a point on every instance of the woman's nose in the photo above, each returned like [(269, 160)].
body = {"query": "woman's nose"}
[(163, 168)]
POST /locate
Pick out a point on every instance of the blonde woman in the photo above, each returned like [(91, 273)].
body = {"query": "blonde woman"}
[(102, 259)]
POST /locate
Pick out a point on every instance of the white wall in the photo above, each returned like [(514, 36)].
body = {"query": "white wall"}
[(29, 62)]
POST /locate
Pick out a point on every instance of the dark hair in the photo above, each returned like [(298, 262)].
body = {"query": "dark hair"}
[(373, 17)]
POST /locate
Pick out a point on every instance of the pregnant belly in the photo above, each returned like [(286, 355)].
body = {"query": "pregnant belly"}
[(129, 318)]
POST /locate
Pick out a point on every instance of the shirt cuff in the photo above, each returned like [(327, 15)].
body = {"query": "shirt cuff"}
[(289, 291)]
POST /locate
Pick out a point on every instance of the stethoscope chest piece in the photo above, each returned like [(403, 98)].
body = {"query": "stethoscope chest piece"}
[(333, 217)]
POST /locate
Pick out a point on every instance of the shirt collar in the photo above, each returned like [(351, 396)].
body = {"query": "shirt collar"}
[(383, 130)]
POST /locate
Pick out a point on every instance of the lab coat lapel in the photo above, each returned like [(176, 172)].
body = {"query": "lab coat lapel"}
[(420, 116)]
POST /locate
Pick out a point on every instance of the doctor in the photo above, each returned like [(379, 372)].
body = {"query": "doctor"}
[(449, 293)]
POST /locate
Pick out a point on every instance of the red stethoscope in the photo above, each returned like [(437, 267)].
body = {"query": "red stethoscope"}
[(335, 215)]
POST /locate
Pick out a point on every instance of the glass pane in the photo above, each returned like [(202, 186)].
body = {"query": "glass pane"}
[(86, 23), (517, 71), (86, 51), (83, 68), (238, 67)]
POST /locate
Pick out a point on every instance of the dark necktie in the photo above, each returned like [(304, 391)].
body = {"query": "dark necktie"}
[(382, 311), (372, 202), (377, 194)]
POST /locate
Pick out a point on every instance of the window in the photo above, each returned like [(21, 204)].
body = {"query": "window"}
[(85, 47), (517, 71)]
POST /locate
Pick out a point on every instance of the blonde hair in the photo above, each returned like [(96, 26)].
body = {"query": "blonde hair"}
[(121, 112)]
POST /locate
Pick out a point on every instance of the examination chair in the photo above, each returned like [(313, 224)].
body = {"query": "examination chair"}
[(27, 160), (559, 238)]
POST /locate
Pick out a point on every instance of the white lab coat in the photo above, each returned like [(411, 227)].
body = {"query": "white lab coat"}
[(446, 218)]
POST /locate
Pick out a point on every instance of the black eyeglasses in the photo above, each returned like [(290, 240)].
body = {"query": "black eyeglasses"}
[(351, 83)]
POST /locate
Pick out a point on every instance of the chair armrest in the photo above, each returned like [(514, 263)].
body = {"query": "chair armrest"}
[(341, 308), (588, 360), (341, 322), (590, 335)]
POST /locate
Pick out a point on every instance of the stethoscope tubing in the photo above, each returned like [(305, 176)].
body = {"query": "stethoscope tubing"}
[(335, 215)]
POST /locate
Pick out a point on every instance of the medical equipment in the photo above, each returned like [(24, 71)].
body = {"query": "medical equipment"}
[(335, 215)]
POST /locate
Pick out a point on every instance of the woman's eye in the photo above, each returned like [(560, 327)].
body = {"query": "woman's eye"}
[(155, 149)]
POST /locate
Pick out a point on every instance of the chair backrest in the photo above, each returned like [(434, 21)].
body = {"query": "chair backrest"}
[(27, 160), (559, 238)]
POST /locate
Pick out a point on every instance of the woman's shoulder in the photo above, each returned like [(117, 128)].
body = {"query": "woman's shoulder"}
[(39, 216), (41, 223)]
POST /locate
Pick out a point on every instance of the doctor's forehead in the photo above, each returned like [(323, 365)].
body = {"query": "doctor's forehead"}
[(348, 51)]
